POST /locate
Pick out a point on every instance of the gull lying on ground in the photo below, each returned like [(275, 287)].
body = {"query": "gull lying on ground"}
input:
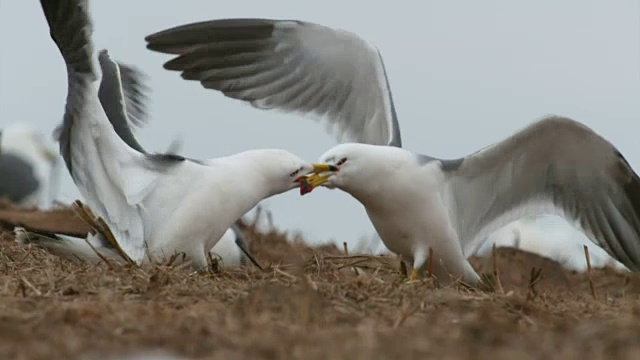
[(28, 167), (546, 235), (551, 237), (154, 204), (417, 203)]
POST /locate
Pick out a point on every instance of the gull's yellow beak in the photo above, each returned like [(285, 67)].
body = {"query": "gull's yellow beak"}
[(310, 182), (320, 168)]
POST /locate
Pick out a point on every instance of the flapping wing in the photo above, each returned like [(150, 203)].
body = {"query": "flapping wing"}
[(112, 177), (123, 95), (291, 66), (555, 166), (71, 29)]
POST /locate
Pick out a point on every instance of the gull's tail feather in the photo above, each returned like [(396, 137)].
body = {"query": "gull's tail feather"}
[(69, 247)]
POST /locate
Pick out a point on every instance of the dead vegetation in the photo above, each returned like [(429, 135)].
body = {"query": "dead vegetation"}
[(311, 303)]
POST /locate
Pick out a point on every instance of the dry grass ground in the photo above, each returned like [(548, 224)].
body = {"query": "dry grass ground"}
[(310, 304)]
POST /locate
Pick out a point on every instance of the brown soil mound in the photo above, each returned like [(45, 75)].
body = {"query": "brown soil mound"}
[(309, 304)]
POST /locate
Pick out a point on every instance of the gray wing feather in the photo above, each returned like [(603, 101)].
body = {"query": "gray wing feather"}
[(71, 29), (554, 166), (122, 96), (135, 90), (291, 66)]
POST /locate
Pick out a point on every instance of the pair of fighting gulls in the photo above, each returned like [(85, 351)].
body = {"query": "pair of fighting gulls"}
[(163, 203)]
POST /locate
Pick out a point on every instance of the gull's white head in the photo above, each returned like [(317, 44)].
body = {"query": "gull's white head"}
[(351, 163), (282, 170)]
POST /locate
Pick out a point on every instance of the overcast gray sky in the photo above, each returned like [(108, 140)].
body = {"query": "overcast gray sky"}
[(464, 74)]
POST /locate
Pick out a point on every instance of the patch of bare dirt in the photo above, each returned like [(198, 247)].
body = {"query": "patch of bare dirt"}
[(309, 304)]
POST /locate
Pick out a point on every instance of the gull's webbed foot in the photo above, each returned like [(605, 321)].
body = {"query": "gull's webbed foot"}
[(403, 270), (415, 276)]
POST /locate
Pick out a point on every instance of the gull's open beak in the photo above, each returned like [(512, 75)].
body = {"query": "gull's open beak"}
[(310, 182)]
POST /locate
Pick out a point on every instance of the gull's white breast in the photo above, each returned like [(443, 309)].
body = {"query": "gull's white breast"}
[(408, 211)]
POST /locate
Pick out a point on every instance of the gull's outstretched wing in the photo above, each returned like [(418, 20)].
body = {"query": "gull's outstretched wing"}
[(111, 176), (123, 94), (555, 166), (71, 29), (291, 66)]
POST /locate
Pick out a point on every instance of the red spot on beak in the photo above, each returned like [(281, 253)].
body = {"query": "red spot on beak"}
[(305, 188)]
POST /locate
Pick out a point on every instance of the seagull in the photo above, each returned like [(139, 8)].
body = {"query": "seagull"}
[(123, 94), (430, 211), (233, 248), (551, 237), (154, 204), (28, 166)]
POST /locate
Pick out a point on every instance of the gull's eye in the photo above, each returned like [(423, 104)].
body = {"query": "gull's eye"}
[(342, 161), (295, 173)]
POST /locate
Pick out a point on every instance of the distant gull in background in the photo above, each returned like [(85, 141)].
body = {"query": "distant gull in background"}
[(548, 236), (28, 166), (233, 248), (130, 92), (551, 237), (416, 203), (153, 204)]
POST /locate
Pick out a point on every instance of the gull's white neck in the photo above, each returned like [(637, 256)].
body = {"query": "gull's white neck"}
[(385, 171), (240, 189)]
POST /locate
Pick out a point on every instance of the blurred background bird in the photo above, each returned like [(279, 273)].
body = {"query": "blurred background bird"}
[(28, 166)]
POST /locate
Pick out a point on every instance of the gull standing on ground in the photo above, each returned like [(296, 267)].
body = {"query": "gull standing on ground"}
[(415, 202), (154, 204), (123, 96)]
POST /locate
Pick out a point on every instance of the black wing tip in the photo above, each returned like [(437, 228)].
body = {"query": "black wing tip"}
[(71, 29), (243, 244), (174, 64), (167, 158), (161, 48), (195, 33), (631, 188)]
